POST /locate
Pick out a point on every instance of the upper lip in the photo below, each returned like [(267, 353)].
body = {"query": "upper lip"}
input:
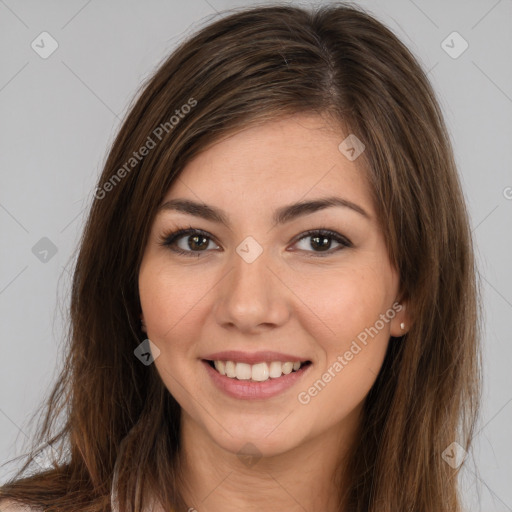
[(253, 357)]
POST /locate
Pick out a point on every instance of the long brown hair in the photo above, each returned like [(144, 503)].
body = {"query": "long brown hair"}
[(252, 66)]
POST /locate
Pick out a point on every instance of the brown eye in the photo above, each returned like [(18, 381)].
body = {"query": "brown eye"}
[(189, 242), (321, 241), (197, 242)]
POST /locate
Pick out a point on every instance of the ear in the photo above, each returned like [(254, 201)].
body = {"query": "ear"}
[(143, 323), (401, 323)]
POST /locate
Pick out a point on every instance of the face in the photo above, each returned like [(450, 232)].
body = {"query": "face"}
[(258, 283)]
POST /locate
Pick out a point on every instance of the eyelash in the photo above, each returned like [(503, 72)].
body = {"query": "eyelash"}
[(170, 238)]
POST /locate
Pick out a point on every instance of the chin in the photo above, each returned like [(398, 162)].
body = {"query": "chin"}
[(263, 438)]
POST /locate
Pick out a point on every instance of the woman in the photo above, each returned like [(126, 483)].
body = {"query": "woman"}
[(274, 304)]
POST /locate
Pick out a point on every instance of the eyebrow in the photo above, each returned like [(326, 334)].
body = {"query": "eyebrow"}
[(281, 215)]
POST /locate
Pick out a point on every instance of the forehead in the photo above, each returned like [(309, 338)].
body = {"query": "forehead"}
[(274, 163)]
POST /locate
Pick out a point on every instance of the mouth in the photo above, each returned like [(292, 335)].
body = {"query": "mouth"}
[(259, 372)]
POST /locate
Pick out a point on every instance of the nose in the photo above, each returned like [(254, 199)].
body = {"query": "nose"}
[(251, 297)]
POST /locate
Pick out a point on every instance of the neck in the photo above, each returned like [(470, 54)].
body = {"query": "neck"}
[(309, 477)]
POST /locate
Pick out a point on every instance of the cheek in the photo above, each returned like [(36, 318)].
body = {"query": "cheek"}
[(353, 340), (171, 301), (345, 303)]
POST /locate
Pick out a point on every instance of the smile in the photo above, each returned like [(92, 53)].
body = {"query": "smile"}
[(259, 372), (258, 381)]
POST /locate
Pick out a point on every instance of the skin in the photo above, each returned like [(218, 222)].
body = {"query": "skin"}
[(293, 298)]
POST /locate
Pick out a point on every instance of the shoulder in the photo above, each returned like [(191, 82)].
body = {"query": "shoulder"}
[(16, 506)]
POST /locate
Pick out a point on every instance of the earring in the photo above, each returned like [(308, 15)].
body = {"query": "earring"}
[(402, 326)]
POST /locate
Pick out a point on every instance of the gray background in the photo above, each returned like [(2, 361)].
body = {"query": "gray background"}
[(59, 115)]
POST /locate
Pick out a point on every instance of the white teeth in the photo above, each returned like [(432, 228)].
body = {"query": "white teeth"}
[(287, 368), (230, 369), (259, 372), (243, 371), (275, 369), (220, 367)]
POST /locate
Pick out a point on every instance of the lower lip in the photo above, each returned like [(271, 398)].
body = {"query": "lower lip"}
[(249, 390)]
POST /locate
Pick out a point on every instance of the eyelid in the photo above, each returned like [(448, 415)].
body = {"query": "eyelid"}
[(342, 239), (170, 238)]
